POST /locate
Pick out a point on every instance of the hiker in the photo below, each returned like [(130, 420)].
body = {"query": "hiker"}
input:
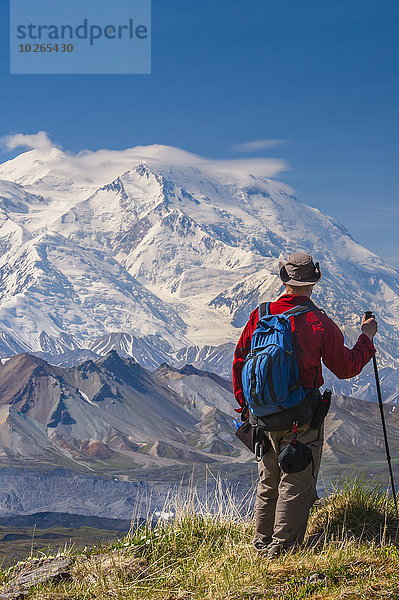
[(283, 499)]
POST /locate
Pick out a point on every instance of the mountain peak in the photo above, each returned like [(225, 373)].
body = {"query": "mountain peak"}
[(23, 361), (111, 360)]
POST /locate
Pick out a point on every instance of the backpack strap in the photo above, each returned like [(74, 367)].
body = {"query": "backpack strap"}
[(297, 310), (264, 309)]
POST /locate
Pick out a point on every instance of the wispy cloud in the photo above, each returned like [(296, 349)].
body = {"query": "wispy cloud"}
[(35, 141), (256, 145)]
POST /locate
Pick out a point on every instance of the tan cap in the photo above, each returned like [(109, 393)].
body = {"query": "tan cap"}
[(299, 269)]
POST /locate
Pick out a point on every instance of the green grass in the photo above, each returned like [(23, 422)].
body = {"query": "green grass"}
[(205, 552), (355, 509)]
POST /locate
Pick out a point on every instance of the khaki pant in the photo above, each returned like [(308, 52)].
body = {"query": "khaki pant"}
[(283, 500)]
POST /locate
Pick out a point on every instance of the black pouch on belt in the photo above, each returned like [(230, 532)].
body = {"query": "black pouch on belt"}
[(254, 438), (296, 456), (321, 409)]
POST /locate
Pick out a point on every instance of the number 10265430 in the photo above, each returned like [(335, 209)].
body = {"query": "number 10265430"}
[(60, 48)]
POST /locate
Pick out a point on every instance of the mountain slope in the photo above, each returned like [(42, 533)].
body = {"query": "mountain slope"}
[(108, 412)]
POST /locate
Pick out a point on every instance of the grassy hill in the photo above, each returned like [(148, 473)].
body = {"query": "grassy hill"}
[(351, 553)]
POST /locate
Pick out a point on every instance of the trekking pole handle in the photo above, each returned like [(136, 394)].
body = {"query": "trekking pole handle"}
[(368, 314)]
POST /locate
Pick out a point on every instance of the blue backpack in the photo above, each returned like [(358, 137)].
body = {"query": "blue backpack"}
[(270, 375)]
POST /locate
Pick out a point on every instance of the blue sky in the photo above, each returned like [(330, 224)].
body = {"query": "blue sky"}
[(321, 76)]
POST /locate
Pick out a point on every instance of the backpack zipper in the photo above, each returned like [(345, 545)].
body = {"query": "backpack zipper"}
[(253, 393), (270, 380)]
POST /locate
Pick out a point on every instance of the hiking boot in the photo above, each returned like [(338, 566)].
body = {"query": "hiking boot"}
[(261, 547), (276, 550)]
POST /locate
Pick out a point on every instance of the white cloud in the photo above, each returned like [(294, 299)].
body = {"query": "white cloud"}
[(111, 163), (158, 156), (257, 167), (36, 141), (256, 145)]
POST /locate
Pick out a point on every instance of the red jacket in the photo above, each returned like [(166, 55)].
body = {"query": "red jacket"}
[(315, 337)]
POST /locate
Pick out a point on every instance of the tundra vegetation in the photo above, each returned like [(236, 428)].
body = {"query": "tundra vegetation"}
[(203, 551)]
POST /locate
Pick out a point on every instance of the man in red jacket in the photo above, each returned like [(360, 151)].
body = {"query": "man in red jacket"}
[(283, 500)]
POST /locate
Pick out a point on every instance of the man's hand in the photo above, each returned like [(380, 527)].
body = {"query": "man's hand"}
[(369, 326)]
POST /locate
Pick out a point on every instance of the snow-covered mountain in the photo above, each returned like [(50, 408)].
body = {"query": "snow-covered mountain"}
[(162, 254)]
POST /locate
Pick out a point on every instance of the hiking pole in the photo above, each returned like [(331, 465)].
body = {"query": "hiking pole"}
[(368, 314)]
